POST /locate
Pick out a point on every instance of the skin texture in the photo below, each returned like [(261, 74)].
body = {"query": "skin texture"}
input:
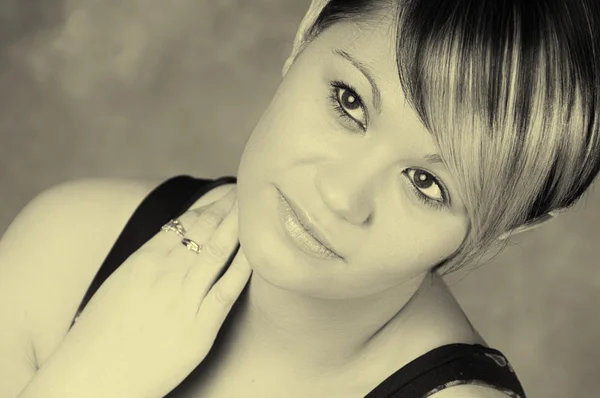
[(355, 185)]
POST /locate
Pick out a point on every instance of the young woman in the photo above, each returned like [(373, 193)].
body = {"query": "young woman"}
[(407, 139)]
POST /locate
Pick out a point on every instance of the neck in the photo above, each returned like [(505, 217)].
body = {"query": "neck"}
[(320, 334)]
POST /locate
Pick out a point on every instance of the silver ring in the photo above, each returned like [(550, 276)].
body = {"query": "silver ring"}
[(175, 226), (190, 244)]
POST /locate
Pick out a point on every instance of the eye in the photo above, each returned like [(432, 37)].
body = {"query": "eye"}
[(348, 104), (427, 188)]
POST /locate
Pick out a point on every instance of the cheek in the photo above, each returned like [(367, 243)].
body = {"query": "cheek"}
[(299, 102), (288, 129), (418, 246)]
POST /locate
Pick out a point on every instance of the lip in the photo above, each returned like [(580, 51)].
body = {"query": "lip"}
[(310, 226)]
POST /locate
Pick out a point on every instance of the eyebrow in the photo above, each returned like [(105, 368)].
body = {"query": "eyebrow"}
[(434, 158), (367, 71)]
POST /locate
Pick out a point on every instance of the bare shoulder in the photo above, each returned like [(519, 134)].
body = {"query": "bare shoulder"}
[(469, 391), (55, 246)]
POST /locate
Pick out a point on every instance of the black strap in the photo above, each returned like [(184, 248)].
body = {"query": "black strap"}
[(169, 200), (450, 365)]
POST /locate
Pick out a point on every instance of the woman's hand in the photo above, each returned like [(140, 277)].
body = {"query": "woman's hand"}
[(157, 316)]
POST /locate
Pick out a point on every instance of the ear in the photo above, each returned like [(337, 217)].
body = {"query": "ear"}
[(540, 221), (316, 6)]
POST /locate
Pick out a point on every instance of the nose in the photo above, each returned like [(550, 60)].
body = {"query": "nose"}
[(346, 193)]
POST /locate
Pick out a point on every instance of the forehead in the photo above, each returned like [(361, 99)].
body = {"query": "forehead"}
[(370, 45), (370, 37)]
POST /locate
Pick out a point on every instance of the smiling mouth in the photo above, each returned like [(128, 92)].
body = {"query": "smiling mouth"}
[(311, 232)]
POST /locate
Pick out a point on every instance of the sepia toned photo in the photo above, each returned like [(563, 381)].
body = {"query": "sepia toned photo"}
[(299, 199)]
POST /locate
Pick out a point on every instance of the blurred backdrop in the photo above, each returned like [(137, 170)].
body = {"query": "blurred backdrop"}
[(151, 89)]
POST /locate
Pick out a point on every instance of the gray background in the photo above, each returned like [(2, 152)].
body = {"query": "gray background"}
[(151, 89)]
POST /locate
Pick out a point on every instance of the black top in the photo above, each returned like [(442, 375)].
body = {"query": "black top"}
[(437, 369)]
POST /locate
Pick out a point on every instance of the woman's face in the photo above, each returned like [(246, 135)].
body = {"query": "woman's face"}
[(364, 175)]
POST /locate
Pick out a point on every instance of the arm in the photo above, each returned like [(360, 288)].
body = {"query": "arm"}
[(37, 301), (18, 364), (65, 376)]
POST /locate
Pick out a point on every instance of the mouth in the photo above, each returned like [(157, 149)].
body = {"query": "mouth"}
[(310, 228)]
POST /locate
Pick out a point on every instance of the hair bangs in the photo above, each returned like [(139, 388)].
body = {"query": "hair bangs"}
[(496, 86)]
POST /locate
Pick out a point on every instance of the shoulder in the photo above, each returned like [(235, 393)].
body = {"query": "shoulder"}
[(72, 209), (469, 391), (56, 244)]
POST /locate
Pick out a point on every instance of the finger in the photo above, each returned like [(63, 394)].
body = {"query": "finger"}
[(161, 244), (214, 307), (208, 266), (201, 230)]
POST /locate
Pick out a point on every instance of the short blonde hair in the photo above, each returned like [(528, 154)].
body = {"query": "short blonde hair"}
[(510, 93)]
